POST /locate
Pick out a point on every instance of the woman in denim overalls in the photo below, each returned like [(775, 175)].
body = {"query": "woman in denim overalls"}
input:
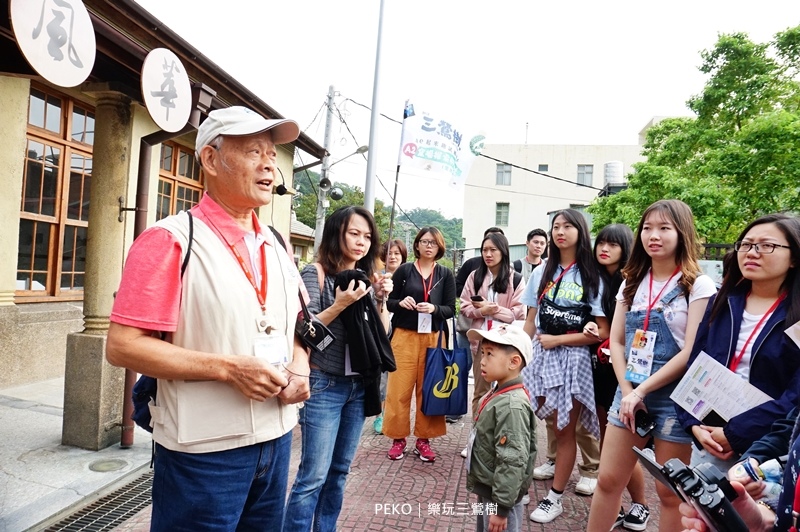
[(663, 293)]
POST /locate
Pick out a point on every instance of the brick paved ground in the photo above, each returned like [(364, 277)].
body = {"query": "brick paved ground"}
[(376, 480)]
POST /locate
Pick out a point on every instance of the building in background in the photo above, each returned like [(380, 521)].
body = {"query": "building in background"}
[(499, 191)]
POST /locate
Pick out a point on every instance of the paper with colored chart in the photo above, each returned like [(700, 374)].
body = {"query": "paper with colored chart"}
[(710, 388)]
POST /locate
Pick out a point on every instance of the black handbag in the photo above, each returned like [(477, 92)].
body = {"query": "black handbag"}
[(557, 319), (311, 331)]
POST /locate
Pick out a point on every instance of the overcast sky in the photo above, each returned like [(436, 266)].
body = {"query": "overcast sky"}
[(569, 72)]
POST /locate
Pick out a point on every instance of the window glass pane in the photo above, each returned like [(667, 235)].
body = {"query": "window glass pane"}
[(33, 177), (183, 163), (50, 181), (166, 157), (36, 109), (32, 255), (25, 250), (164, 199), (78, 124), (544, 167), (89, 138), (41, 246), (73, 259), (87, 181), (53, 115), (75, 187)]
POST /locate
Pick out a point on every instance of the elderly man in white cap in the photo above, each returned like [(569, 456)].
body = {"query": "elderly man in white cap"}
[(219, 336)]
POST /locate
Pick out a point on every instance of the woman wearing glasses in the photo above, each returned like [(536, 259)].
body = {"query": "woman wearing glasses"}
[(743, 329), (423, 298)]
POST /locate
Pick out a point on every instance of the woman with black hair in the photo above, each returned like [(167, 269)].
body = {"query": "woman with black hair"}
[(424, 297), (562, 296), (332, 418), (743, 329), (491, 296)]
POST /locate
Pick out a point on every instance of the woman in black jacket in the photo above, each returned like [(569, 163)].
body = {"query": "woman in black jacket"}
[(423, 298)]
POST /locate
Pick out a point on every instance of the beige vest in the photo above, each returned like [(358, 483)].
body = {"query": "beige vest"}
[(219, 311)]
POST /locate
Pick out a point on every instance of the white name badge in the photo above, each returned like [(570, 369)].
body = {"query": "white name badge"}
[(272, 348), (424, 323), (640, 356)]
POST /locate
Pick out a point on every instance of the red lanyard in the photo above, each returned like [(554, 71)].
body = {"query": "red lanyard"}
[(738, 358), (262, 293), (555, 283), (651, 302), (426, 291), (495, 394)]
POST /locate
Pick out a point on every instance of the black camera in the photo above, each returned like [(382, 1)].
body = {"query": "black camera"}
[(704, 487)]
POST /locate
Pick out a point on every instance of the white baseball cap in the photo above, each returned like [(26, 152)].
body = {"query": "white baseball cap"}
[(506, 335), (240, 121)]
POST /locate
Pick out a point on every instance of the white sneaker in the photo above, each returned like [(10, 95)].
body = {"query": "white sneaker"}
[(546, 511), (526, 499), (585, 486), (545, 471), (464, 452)]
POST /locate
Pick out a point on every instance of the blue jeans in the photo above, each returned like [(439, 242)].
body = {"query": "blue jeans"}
[(239, 489), (331, 423)]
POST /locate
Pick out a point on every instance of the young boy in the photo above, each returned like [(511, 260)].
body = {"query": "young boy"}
[(502, 447)]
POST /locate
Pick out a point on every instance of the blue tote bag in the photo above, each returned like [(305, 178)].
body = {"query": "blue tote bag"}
[(446, 382)]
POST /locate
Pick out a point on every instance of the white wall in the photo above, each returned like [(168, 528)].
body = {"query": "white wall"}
[(532, 196)]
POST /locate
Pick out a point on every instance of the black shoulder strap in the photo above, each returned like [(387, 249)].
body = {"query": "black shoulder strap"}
[(278, 236), (189, 247), (517, 279)]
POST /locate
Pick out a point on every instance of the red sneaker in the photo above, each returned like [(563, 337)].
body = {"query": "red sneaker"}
[(398, 450), (424, 451)]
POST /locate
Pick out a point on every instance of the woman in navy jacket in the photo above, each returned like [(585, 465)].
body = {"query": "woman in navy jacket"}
[(743, 328)]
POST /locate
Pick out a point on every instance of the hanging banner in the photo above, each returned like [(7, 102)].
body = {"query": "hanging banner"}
[(166, 89), (433, 143), (56, 37)]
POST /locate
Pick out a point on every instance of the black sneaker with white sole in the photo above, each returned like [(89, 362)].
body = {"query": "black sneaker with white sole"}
[(620, 519), (637, 517)]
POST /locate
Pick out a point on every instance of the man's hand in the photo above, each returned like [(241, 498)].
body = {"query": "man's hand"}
[(497, 523), (757, 518), (255, 378), (297, 371)]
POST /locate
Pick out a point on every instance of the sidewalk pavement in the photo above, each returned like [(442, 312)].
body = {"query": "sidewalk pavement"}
[(40, 478)]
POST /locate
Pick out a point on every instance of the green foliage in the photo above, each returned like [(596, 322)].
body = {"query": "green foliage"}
[(305, 207), (737, 158)]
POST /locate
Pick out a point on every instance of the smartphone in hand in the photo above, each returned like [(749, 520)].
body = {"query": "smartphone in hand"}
[(644, 423), (476, 298)]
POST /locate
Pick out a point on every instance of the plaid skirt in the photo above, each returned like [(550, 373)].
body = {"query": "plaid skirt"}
[(560, 375)]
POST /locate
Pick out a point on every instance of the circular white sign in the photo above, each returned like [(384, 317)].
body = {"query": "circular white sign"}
[(56, 37), (166, 90)]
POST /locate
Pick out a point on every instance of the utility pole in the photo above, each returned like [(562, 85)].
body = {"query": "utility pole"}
[(372, 158), (324, 181)]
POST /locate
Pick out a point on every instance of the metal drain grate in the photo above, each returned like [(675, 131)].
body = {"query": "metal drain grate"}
[(112, 510)]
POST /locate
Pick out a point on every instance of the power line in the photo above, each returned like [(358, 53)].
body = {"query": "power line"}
[(518, 192), (397, 205), (539, 173), (369, 109), (494, 159)]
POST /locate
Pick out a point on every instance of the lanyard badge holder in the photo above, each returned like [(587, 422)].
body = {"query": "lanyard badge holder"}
[(642, 350)]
